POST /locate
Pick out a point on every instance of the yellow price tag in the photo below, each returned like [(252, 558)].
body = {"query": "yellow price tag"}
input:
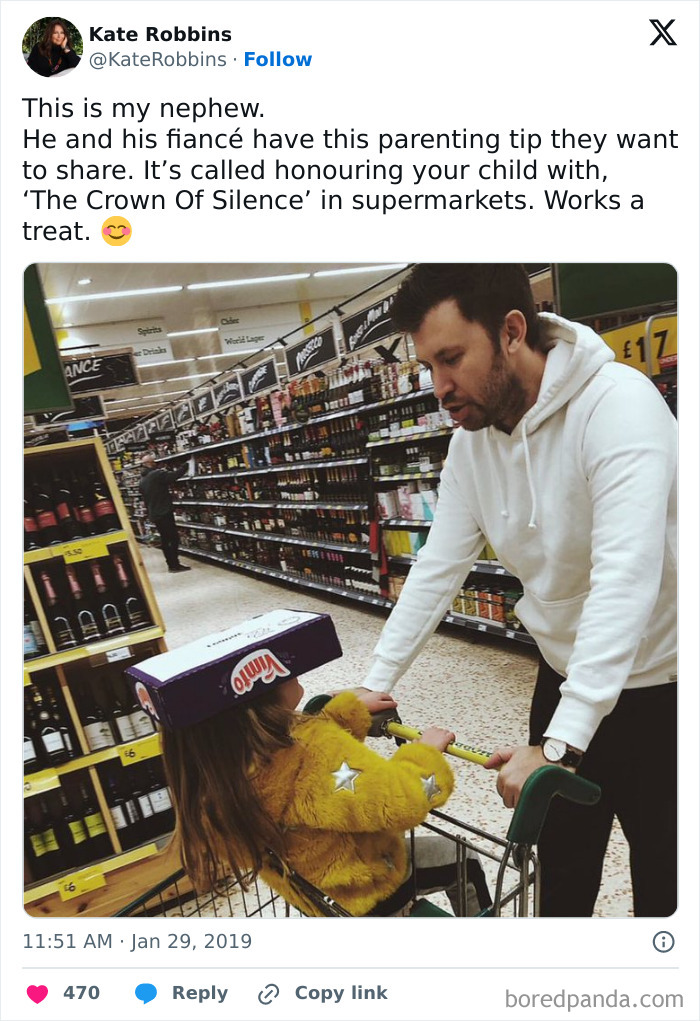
[(79, 883), (37, 783), (146, 748), (629, 343), (88, 549)]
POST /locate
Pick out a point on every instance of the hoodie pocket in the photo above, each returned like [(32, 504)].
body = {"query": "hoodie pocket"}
[(553, 624)]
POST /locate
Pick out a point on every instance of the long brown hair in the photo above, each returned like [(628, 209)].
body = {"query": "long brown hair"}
[(211, 767), (46, 43)]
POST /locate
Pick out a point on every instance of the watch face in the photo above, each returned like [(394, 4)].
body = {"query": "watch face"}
[(553, 749)]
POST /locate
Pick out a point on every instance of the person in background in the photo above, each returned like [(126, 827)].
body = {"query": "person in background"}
[(263, 777), (565, 462), (155, 489), (55, 51)]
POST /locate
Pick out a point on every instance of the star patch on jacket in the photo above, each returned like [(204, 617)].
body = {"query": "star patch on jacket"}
[(430, 786), (345, 777)]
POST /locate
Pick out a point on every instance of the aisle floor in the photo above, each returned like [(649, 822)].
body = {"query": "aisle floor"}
[(477, 688)]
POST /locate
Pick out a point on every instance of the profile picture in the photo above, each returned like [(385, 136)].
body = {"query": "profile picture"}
[(52, 47)]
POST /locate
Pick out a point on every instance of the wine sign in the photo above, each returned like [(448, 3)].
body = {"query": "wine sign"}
[(84, 408), (368, 327), (310, 353), (228, 392), (97, 372), (204, 404), (261, 377)]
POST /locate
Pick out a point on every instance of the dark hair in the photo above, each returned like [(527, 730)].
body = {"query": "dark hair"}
[(46, 43), (211, 768), (484, 292)]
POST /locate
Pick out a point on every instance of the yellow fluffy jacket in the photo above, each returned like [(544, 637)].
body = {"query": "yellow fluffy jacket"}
[(344, 809)]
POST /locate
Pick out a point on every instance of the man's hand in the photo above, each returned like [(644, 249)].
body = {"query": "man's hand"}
[(515, 765), (376, 701)]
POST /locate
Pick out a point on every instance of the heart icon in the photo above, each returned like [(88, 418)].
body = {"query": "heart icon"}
[(37, 993)]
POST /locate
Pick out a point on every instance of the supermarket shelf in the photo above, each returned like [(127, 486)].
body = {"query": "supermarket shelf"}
[(468, 623), (38, 892), (275, 537), (489, 628), (356, 409), (67, 548), (414, 434), (294, 466), (406, 477), (268, 572), (93, 649), (480, 567), (130, 752), (405, 523), (285, 505)]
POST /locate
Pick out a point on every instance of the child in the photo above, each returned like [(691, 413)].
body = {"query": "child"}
[(262, 776)]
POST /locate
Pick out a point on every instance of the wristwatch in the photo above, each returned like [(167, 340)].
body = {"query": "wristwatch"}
[(560, 752)]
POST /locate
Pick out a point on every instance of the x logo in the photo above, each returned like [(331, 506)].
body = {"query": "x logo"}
[(662, 32)]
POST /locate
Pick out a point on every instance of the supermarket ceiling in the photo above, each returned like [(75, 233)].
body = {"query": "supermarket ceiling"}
[(105, 305)]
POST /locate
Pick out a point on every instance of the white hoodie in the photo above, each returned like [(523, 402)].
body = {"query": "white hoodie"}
[(579, 502)]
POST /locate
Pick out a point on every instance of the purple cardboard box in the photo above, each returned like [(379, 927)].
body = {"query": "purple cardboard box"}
[(198, 680)]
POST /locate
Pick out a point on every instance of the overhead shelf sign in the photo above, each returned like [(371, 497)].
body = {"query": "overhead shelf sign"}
[(96, 372), (368, 327), (311, 353)]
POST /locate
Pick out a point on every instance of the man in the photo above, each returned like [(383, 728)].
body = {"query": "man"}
[(155, 489), (565, 462)]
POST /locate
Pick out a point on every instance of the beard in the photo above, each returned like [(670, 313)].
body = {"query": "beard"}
[(502, 401)]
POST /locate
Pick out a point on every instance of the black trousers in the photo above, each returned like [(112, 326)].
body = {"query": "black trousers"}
[(169, 537), (633, 756)]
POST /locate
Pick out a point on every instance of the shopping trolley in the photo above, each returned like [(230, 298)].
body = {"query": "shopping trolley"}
[(514, 857)]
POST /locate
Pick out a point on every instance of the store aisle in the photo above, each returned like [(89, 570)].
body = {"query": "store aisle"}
[(480, 690)]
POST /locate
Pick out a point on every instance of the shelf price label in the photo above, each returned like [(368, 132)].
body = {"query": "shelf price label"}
[(79, 883), (87, 549), (139, 750), (37, 783)]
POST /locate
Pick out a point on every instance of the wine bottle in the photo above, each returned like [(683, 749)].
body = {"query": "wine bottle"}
[(136, 616), (140, 794), (96, 726), (102, 507), (44, 515), (99, 844), (82, 611), (30, 748), (61, 720), (52, 857), (121, 721), (72, 835), (83, 507), (140, 720), (161, 803), (31, 644), (109, 617), (53, 747), (32, 537), (59, 621), (124, 812), (66, 512)]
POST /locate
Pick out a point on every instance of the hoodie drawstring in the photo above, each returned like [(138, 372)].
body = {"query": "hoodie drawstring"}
[(532, 523)]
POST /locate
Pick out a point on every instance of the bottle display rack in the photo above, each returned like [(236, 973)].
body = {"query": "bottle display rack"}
[(96, 801), (297, 501)]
